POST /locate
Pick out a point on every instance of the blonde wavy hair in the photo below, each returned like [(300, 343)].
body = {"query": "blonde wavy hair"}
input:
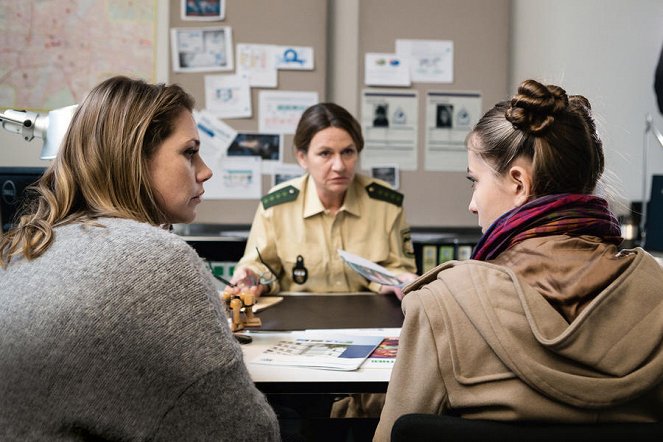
[(101, 169)]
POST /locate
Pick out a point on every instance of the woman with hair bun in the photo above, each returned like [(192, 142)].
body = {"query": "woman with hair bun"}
[(549, 320)]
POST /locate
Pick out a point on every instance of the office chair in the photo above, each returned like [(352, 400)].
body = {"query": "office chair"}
[(429, 427)]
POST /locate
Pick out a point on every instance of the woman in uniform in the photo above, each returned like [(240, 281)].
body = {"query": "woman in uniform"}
[(302, 223)]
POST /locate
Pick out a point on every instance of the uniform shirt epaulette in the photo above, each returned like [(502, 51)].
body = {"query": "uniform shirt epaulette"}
[(382, 193), (280, 196)]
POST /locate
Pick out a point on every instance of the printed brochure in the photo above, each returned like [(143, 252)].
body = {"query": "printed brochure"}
[(321, 350), (370, 270)]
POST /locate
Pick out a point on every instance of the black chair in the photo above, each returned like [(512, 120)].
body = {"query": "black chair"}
[(429, 427)]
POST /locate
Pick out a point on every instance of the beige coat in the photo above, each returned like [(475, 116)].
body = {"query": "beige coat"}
[(479, 340), (366, 226)]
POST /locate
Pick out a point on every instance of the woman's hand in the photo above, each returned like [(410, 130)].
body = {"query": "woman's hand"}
[(244, 278), (403, 277)]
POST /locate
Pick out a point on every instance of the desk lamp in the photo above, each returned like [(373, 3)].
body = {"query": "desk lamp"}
[(649, 128), (50, 128)]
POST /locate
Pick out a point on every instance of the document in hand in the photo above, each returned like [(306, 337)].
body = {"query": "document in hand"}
[(370, 270), (321, 350)]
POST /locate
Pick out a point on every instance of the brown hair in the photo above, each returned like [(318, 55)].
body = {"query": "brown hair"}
[(321, 116), (101, 167), (556, 131)]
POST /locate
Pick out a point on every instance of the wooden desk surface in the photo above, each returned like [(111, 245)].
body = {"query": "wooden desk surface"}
[(327, 311)]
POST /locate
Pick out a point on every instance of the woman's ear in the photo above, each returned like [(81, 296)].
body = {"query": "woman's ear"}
[(520, 177), (301, 159)]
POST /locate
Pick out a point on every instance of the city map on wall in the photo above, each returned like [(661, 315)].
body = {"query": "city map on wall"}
[(53, 52)]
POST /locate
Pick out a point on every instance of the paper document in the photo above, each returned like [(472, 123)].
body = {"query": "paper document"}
[(331, 351), (264, 302), (384, 355), (370, 270)]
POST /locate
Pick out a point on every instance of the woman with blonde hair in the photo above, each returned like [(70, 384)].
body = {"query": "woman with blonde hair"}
[(111, 326), (550, 320)]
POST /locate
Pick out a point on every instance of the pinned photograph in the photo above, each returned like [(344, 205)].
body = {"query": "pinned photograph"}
[(266, 146), (387, 173), (443, 116), (380, 118), (202, 49), (203, 10), (286, 172)]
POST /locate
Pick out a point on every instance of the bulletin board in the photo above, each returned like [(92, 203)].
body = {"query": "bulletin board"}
[(291, 22), (479, 30)]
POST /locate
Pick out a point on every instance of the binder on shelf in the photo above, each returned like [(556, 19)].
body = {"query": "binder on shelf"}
[(446, 253), (429, 257), (464, 251)]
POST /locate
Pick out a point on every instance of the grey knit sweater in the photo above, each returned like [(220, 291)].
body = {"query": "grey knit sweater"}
[(118, 333)]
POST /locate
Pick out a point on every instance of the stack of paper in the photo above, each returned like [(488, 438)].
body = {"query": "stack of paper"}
[(321, 350)]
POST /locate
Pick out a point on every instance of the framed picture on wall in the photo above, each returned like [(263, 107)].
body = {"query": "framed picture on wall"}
[(202, 49), (203, 10), (388, 173)]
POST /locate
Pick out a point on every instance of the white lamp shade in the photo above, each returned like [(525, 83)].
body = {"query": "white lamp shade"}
[(56, 123)]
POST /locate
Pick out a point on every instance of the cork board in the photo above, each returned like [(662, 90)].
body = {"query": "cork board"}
[(479, 30), (291, 22)]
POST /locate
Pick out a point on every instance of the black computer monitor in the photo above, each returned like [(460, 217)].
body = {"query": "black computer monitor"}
[(13, 181), (654, 219)]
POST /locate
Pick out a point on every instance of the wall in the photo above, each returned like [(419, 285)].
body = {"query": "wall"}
[(479, 31), (281, 22), (606, 50), (15, 152)]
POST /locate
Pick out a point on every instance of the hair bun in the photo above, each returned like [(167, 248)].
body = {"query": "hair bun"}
[(534, 107)]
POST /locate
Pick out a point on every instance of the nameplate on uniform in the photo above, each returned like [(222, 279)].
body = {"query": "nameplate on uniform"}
[(280, 196), (382, 193)]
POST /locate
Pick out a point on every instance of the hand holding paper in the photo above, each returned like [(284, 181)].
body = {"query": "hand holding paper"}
[(370, 270)]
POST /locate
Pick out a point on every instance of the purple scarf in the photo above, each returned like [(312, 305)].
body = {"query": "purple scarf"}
[(563, 214)]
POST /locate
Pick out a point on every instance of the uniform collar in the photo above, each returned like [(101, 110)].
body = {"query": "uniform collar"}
[(313, 205)]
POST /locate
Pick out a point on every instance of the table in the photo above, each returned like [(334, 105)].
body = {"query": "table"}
[(366, 313), (304, 397), (306, 311), (296, 380)]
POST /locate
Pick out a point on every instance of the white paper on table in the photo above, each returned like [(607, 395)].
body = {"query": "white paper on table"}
[(321, 349), (280, 111), (258, 62), (386, 70), (430, 61), (294, 58), (228, 96)]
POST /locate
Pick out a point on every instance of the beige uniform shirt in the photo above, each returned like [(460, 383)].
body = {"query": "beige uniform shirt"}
[(301, 227)]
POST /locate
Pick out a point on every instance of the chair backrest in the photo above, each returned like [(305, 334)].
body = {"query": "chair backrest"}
[(428, 427)]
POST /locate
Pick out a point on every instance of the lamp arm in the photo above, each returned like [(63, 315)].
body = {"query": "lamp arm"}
[(28, 124), (657, 134)]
